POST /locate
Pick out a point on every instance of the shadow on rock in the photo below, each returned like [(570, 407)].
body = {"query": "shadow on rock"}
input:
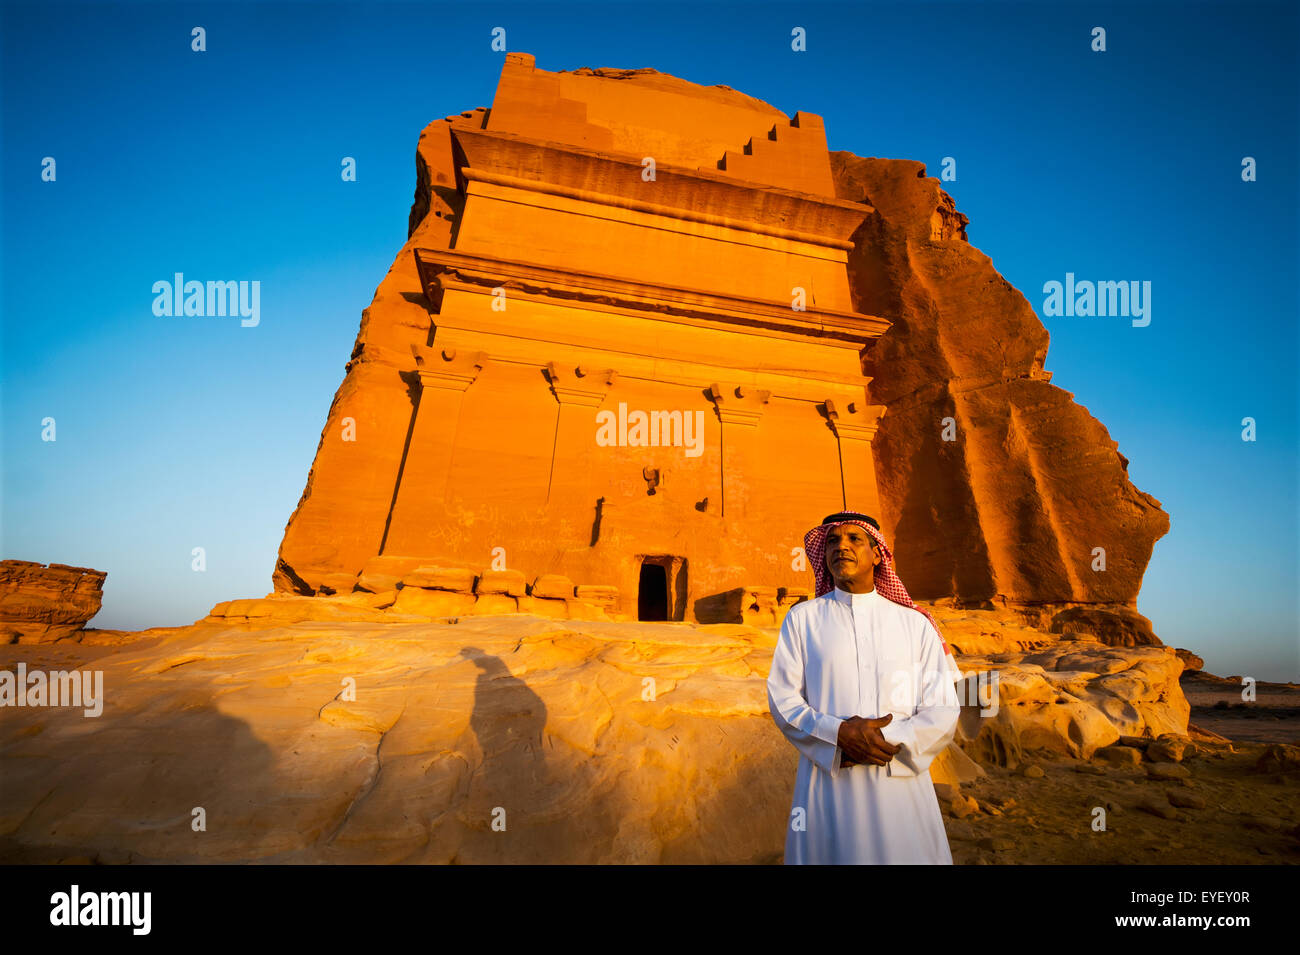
[(126, 788), (514, 802)]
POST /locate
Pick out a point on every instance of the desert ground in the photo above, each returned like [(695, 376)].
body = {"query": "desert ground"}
[(249, 720), (1224, 812)]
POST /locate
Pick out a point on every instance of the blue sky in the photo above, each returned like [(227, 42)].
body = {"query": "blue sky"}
[(174, 433)]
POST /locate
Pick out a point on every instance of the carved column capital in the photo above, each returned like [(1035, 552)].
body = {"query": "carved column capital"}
[(739, 404), (584, 385), (449, 369), (854, 419)]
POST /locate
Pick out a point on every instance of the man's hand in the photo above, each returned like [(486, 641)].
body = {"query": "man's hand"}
[(861, 741)]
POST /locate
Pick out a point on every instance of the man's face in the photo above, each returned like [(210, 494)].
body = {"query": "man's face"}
[(851, 555)]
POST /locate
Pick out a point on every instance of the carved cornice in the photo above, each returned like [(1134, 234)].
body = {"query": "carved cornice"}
[(650, 208), (442, 269), (698, 195)]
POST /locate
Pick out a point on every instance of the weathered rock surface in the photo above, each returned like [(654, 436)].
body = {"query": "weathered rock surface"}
[(333, 729), (1061, 693), (1119, 755), (1171, 748), (1013, 508), (41, 603), (1279, 758)]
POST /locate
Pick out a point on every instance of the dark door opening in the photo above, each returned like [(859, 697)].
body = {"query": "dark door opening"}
[(652, 593)]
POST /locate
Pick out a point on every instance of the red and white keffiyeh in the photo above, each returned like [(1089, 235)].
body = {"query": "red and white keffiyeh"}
[(886, 580)]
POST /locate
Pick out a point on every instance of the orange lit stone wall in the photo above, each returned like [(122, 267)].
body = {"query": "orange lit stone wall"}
[(553, 277)]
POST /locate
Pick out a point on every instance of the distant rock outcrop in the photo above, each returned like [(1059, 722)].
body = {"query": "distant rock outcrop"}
[(42, 603)]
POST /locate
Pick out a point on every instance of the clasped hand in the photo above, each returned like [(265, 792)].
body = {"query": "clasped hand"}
[(862, 742)]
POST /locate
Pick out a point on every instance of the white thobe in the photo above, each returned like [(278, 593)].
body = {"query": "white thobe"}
[(843, 655)]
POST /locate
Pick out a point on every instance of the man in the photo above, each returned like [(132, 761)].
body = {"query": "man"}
[(863, 686)]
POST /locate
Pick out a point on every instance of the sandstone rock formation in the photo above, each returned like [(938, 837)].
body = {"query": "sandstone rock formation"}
[(1011, 511), (1073, 698), (40, 603), (331, 729), (463, 430)]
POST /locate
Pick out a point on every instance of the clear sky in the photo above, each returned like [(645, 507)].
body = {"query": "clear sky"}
[(176, 433)]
